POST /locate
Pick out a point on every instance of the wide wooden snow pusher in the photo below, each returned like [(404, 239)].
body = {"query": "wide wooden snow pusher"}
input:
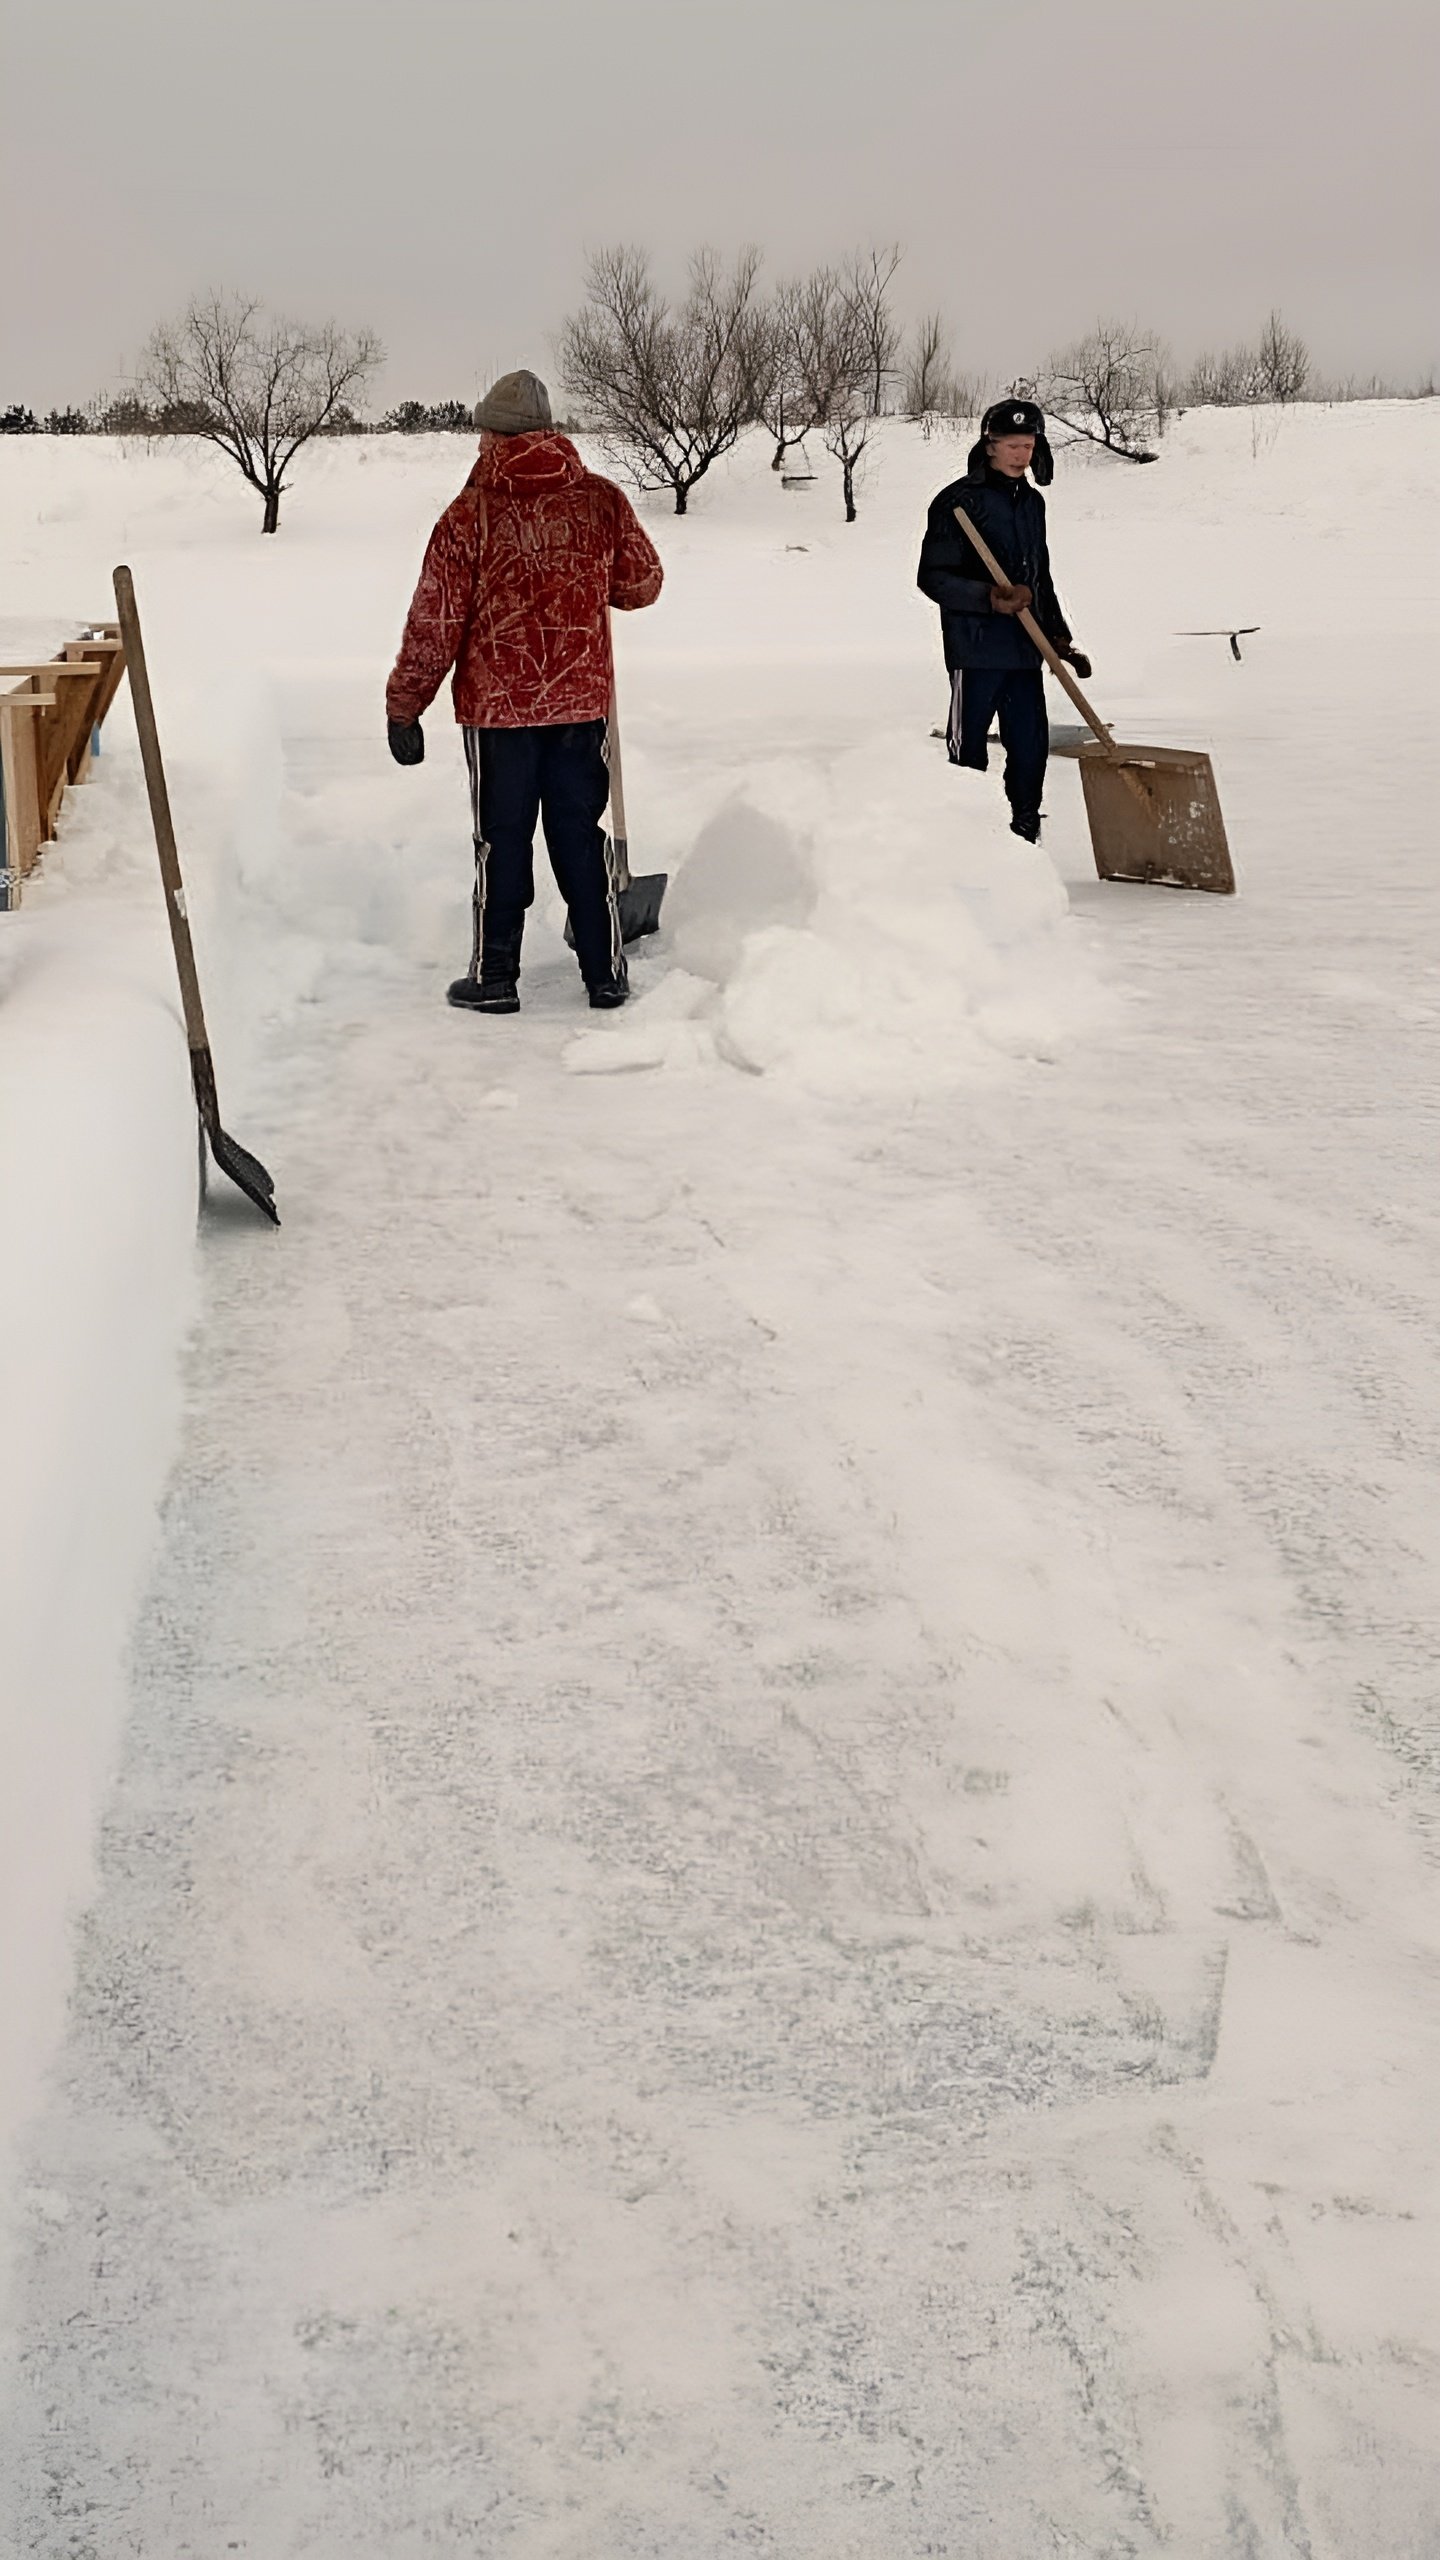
[(245, 1171), (1154, 812)]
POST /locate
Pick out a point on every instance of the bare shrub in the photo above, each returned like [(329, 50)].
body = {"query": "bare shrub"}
[(1278, 369), (1283, 362), (969, 396), (668, 389), (257, 389), (123, 415), (932, 394), (1225, 380), (1112, 388), (421, 418)]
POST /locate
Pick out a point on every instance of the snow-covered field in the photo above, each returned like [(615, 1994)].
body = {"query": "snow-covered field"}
[(762, 1877)]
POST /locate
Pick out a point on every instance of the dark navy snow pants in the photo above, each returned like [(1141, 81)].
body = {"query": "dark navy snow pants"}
[(1017, 694), (558, 776)]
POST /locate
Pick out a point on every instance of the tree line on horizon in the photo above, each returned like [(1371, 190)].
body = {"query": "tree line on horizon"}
[(669, 384)]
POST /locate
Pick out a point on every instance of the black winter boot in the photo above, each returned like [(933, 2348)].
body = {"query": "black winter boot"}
[(606, 993), (484, 995), (493, 987)]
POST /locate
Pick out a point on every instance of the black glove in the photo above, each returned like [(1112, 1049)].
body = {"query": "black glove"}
[(1079, 662), (407, 741)]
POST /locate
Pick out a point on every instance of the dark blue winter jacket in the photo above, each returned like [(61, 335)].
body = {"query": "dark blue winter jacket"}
[(1011, 516)]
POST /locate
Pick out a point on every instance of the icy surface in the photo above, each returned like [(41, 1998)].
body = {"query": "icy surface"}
[(769, 1884)]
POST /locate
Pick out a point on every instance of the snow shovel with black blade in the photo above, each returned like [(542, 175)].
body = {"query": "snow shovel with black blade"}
[(638, 900), (245, 1170), (1154, 812)]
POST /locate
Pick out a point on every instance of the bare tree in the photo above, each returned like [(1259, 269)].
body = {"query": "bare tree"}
[(1168, 394), (847, 433), (783, 392), (1283, 361), (1110, 388), (925, 381), (833, 361), (668, 390), (258, 389), (867, 277)]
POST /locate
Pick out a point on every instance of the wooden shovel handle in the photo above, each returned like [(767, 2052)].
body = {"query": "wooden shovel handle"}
[(160, 814), (617, 772), (619, 835), (1028, 623)]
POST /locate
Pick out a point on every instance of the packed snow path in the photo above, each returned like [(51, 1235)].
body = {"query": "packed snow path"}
[(769, 1887)]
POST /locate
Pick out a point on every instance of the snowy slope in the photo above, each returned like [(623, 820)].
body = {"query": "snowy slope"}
[(768, 1888)]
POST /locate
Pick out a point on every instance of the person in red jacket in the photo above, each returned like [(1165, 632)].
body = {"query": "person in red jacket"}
[(515, 595)]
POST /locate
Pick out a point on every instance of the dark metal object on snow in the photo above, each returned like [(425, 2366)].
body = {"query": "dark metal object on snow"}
[(244, 1170), (1242, 631), (1154, 812)]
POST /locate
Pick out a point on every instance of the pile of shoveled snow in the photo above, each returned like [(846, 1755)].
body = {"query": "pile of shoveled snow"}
[(862, 923)]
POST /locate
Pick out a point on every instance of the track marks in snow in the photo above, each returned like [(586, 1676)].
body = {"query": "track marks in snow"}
[(753, 1905)]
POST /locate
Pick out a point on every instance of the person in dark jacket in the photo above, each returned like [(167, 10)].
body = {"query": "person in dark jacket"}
[(994, 665)]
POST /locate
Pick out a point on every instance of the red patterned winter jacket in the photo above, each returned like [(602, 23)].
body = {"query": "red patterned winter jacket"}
[(515, 590)]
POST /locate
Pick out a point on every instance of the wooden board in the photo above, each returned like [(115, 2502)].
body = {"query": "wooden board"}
[(1155, 816), (77, 688), (103, 642), (24, 827)]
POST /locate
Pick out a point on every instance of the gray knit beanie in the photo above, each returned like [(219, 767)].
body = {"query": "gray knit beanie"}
[(517, 405)]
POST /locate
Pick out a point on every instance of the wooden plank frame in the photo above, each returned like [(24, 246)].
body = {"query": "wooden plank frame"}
[(51, 711)]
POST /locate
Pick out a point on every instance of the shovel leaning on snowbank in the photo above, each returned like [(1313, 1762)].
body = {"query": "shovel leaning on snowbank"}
[(1154, 812), (245, 1170), (638, 900)]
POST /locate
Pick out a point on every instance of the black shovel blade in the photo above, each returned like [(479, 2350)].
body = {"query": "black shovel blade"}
[(640, 905), (245, 1171)]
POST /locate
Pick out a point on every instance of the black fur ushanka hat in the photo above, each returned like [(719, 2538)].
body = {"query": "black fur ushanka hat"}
[(1016, 417)]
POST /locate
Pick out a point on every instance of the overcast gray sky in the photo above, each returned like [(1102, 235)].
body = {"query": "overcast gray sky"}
[(437, 169)]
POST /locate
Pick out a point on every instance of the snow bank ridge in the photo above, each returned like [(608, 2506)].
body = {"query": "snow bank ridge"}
[(870, 923)]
